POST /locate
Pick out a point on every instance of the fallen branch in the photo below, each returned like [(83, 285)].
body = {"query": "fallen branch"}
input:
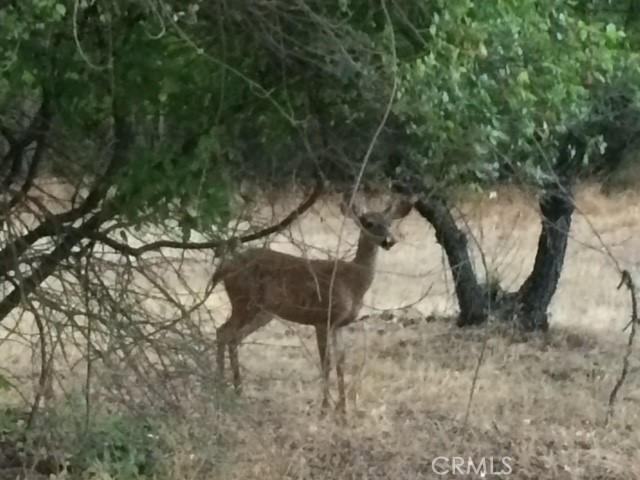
[(628, 282)]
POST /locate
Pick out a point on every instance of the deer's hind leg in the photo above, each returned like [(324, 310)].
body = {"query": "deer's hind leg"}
[(246, 317)]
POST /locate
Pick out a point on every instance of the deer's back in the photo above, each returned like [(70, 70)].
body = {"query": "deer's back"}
[(295, 288)]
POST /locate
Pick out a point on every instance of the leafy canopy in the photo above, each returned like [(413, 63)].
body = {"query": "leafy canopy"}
[(216, 92)]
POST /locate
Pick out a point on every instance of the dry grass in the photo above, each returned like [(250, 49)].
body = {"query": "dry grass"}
[(541, 402)]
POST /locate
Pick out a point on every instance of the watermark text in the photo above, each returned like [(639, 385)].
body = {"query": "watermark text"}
[(465, 466)]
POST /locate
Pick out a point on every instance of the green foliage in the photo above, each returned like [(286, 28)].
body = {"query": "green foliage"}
[(167, 92), (120, 445), (216, 93), (501, 81), (10, 421)]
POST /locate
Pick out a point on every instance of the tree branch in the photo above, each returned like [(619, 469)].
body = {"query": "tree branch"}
[(284, 223), (55, 224), (48, 265)]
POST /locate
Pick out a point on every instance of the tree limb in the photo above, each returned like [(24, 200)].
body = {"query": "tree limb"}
[(55, 224), (284, 223), (48, 265)]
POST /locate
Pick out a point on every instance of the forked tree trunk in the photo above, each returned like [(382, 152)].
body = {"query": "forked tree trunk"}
[(528, 307), (472, 297)]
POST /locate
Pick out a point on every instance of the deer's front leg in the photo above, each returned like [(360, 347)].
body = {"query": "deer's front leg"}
[(321, 338), (221, 345), (339, 359)]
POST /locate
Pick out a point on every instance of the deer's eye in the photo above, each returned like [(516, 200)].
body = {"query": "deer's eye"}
[(366, 223)]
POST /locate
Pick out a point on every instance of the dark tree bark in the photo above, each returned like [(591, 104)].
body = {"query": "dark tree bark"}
[(13, 161), (531, 302), (528, 306), (472, 297)]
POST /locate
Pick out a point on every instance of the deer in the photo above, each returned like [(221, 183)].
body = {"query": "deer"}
[(327, 294)]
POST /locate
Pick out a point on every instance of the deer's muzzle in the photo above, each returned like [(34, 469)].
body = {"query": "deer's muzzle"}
[(388, 242)]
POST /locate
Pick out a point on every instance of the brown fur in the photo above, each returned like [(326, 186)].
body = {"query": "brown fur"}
[(326, 294)]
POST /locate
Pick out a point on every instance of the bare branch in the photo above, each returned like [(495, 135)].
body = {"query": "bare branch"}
[(48, 265), (284, 223)]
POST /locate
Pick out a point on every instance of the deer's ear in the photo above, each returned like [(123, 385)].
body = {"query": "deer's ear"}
[(353, 211), (399, 209)]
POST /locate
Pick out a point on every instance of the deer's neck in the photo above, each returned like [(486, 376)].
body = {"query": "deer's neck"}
[(366, 259)]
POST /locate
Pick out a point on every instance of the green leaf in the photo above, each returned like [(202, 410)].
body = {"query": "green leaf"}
[(61, 9), (523, 78), (28, 78)]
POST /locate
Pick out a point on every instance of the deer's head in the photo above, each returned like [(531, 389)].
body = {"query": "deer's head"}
[(377, 225)]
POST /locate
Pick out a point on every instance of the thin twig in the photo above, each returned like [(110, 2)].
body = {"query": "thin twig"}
[(475, 378), (628, 282)]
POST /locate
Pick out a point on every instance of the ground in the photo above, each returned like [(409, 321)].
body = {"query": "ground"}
[(541, 404), (538, 405)]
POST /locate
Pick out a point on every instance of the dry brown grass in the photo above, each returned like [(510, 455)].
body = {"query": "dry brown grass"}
[(541, 402)]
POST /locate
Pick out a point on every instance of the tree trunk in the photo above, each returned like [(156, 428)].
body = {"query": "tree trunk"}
[(533, 299), (472, 297), (529, 305)]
